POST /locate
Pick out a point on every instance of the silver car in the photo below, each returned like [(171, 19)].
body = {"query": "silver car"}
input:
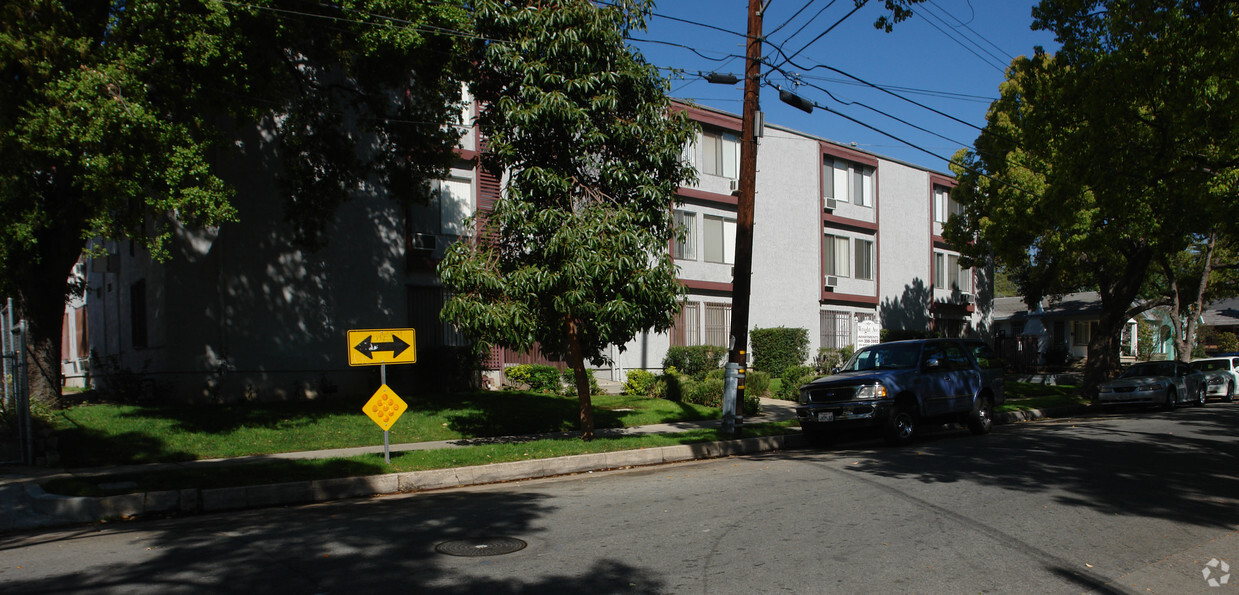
[(1221, 376), (1169, 383)]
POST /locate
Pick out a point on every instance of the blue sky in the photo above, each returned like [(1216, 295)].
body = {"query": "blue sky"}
[(949, 57)]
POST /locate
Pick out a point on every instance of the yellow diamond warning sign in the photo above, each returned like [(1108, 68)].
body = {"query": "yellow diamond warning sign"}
[(385, 407)]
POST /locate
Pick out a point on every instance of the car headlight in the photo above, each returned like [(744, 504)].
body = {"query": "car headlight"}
[(804, 397), (872, 391), (1105, 389), (1216, 380)]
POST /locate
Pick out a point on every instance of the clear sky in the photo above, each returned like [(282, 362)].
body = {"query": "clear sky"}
[(949, 57)]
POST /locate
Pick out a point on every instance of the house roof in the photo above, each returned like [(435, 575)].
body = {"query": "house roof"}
[(1222, 313), (1071, 305)]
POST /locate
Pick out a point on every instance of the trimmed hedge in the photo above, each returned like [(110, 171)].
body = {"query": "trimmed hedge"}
[(538, 377), (640, 382), (774, 349), (694, 360)]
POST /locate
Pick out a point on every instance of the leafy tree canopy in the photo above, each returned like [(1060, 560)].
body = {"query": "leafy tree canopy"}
[(1110, 156), (575, 255), (114, 116)]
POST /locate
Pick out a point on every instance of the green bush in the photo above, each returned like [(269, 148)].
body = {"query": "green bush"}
[(708, 392), (829, 358), (538, 377), (756, 383), (1227, 342), (694, 360), (640, 382), (793, 378), (671, 385), (567, 383), (774, 349)]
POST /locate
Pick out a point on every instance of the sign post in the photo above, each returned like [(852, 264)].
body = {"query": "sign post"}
[(379, 347)]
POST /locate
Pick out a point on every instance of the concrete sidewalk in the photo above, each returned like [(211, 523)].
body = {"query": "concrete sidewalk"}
[(24, 504)]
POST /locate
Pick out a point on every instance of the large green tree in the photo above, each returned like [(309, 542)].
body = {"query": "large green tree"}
[(115, 114), (1100, 161), (575, 255)]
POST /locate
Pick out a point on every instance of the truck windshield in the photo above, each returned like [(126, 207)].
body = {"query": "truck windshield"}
[(884, 357)]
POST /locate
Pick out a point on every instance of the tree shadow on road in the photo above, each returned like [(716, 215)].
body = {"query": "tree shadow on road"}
[(389, 544), (1113, 464)]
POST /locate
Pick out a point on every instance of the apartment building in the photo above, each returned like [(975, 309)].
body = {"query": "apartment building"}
[(840, 236)]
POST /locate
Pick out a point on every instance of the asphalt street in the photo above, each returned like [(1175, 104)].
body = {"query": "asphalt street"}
[(1135, 502)]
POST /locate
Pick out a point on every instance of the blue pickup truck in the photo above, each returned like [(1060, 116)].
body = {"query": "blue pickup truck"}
[(895, 387)]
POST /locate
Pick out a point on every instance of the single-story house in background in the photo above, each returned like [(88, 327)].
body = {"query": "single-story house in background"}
[(1060, 327)]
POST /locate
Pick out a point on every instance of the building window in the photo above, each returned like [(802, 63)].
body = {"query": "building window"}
[(948, 275), (686, 328), (1081, 332), (454, 197), (685, 246), (845, 181), (835, 255), (718, 324), (836, 329), (864, 259), (944, 206), (720, 154), (137, 314), (720, 239)]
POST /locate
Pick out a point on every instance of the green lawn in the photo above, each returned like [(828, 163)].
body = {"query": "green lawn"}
[(1023, 396), (91, 435), (300, 470)]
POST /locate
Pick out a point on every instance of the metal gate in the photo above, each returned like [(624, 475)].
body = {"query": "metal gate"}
[(16, 440)]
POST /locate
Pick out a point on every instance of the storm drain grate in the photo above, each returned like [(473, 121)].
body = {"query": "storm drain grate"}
[(484, 546)]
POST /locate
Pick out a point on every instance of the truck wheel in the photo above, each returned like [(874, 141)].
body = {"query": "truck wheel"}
[(900, 426), (981, 421)]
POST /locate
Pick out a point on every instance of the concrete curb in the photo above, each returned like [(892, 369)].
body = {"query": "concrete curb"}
[(53, 509), (30, 506), (1010, 417)]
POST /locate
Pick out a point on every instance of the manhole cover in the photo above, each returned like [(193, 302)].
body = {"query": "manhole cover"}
[(485, 546)]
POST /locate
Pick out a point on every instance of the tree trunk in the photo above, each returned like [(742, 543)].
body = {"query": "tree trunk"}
[(41, 303), (577, 360)]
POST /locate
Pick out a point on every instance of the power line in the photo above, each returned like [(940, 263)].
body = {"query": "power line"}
[(810, 21), (1001, 68), (807, 4), (859, 5), (974, 32)]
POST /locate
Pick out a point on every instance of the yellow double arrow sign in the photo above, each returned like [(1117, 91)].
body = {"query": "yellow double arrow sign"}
[(373, 347)]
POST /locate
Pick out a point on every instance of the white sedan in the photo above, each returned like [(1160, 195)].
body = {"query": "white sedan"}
[(1221, 375), (1167, 383)]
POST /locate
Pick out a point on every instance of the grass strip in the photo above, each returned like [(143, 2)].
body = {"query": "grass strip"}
[(209, 476), (104, 434), (1025, 396)]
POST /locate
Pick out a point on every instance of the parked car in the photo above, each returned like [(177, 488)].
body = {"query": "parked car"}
[(1221, 376), (1167, 383), (897, 386)]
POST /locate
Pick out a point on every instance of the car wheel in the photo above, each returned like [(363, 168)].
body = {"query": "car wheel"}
[(1202, 395), (981, 421), (900, 426), (818, 438), (1230, 392), (1170, 400)]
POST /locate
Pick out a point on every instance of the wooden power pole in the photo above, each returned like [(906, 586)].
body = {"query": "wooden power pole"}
[(742, 280)]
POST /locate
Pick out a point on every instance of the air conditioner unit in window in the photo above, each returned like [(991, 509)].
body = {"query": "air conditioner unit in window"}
[(423, 242), (830, 204), (969, 298), (831, 282)]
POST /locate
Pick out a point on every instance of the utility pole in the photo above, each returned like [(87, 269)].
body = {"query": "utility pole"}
[(742, 281)]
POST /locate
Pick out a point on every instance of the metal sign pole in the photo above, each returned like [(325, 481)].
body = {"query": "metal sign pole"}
[(386, 448)]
